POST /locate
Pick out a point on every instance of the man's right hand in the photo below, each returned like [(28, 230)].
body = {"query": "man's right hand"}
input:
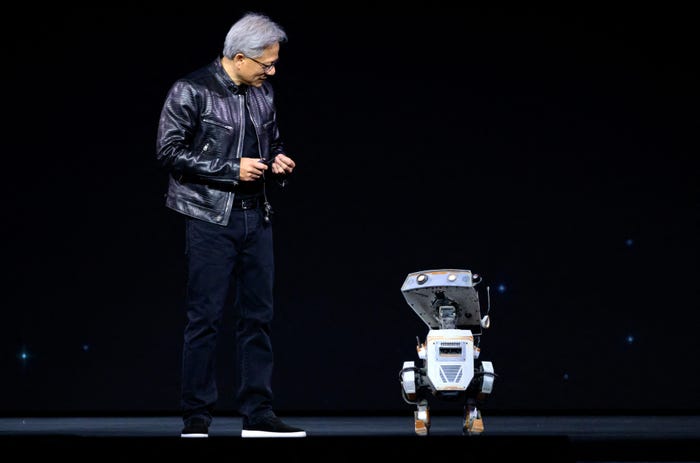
[(251, 169)]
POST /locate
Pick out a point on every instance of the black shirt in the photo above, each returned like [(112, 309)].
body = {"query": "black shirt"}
[(250, 150)]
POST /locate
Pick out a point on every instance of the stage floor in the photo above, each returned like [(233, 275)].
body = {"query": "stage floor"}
[(348, 438)]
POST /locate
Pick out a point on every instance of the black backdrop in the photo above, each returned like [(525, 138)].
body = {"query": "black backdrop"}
[(551, 150)]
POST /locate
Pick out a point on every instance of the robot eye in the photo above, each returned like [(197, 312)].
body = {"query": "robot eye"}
[(450, 351), (422, 278)]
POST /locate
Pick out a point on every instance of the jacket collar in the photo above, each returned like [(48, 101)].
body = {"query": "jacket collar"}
[(226, 80)]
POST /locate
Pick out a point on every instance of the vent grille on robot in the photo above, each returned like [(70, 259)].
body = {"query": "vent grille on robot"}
[(451, 373)]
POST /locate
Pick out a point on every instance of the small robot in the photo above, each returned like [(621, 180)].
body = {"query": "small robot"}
[(449, 369)]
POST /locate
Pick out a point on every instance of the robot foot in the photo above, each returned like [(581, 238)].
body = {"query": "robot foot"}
[(473, 423), (422, 423)]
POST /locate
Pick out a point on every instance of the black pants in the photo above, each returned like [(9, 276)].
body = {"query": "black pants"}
[(238, 256)]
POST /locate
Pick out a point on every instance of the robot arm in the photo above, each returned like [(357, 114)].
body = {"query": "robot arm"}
[(408, 381)]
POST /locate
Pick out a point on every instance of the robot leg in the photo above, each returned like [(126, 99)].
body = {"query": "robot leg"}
[(422, 418), (410, 377), (473, 423)]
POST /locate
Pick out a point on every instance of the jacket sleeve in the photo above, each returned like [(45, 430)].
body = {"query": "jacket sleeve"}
[(276, 144), (180, 148)]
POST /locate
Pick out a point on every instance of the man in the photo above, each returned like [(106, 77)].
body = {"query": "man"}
[(218, 139)]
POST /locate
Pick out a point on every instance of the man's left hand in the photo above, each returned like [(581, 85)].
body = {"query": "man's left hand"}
[(283, 164)]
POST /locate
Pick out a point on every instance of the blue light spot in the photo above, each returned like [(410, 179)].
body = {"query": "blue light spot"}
[(86, 348), (566, 376), (629, 339), (629, 242), (501, 288)]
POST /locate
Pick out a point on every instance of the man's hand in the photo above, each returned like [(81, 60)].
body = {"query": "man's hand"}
[(282, 164), (251, 169)]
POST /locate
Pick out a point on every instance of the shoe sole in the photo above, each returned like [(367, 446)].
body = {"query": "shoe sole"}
[(250, 433), (196, 436)]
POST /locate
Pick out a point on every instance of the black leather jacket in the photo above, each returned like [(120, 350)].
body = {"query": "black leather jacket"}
[(200, 140)]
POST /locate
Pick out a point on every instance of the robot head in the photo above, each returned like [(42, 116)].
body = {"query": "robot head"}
[(445, 299)]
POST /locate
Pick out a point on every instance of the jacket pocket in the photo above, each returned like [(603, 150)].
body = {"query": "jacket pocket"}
[(215, 138)]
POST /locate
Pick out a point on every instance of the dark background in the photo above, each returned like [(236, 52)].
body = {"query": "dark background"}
[(551, 150)]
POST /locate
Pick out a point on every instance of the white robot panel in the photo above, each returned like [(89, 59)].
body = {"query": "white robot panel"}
[(450, 354)]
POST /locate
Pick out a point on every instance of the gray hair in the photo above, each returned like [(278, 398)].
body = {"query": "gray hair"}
[(251, 34)]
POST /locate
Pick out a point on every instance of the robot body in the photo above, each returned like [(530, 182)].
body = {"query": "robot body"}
[(450, 361)]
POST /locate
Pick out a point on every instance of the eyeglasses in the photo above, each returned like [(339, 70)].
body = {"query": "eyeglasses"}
[(265, 67)]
